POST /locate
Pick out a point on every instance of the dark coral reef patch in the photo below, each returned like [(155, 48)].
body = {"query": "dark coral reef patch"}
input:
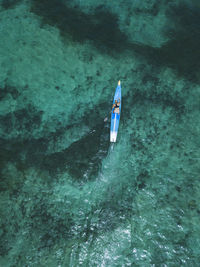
[(9, 3), (101, 27)]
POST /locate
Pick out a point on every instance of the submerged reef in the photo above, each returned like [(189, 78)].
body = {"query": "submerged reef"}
[(104, 29), (101, 27), (68, 197), (10, 3)]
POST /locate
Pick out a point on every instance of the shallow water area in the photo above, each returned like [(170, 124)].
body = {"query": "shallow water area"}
[(67, 196)]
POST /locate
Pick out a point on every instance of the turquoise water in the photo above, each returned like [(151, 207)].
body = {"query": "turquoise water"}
[(68, 197)]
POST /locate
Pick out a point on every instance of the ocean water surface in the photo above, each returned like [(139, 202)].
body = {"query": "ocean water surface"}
[(67, 196)]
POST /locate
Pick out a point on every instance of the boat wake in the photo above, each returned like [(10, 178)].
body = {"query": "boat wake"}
[(111, 148)]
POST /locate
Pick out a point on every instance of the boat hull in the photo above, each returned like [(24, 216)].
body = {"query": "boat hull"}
[(115, 117)]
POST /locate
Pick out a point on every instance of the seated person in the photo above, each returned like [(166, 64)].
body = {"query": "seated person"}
[(115, 106)]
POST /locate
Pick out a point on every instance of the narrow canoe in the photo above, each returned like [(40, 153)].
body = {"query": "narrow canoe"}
[(115, 117)]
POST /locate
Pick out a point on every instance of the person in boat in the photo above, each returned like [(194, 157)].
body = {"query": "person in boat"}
[(115, 106)]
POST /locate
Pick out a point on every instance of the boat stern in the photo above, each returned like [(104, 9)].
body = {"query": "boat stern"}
[(113, 136)]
